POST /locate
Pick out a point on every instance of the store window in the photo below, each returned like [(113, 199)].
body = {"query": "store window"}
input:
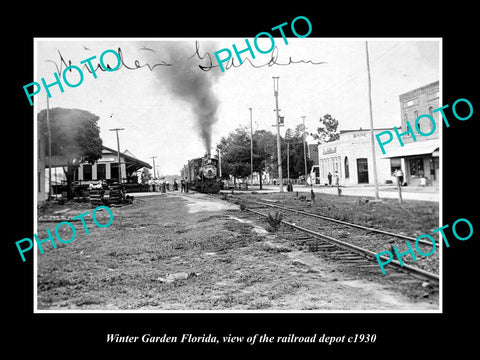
[(416, 167), (419, 125)]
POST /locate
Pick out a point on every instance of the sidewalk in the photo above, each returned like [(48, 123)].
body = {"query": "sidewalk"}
[(385, 191)]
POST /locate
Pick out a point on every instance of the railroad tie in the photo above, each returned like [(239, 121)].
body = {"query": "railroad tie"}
[(351, 258), (368, 266)]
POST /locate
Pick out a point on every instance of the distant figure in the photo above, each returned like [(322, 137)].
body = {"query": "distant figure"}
[(167, 185), (175, 185), (182, 184), (423, 181), (399, 175), (289, 186), (337, 179), (329, 178), (162, 184)]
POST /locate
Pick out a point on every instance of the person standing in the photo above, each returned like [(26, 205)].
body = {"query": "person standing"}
[(329, 178), (337, 179), (399, 175), (162, 185)]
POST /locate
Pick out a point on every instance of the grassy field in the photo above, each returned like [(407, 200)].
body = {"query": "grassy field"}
[(159, 254), (411, 218)]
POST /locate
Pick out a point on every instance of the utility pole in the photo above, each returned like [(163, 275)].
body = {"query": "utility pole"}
[(219, 163), (304, 148), (154, 173), (118, 149), (49, 155), (279, 149), (288, 162), (251, 148), (372, 139)]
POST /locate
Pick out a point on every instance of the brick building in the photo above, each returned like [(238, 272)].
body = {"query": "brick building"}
[(419, 157)]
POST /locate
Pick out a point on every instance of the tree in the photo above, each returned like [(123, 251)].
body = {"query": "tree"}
[(75, 135), (235, 154), (295, 139), (264, 152), (327, 131)]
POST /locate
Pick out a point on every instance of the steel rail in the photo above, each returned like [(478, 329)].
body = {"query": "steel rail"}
[(357, 249), (346, 223)]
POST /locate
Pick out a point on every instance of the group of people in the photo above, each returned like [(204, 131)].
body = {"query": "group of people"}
[(335, 177), (163, 185)]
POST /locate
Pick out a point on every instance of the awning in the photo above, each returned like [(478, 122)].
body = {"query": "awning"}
[(421, 147)]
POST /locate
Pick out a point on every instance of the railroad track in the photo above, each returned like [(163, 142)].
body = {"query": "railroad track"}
[(379, 231), (362, 259)]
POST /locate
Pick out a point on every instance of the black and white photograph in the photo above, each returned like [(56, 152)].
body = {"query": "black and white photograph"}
[(244, 185), (206, 180)]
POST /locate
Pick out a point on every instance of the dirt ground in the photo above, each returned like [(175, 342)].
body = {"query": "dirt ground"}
[(194, 252)]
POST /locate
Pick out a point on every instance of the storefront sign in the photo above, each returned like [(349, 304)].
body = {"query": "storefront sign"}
[(359, 134), (330, 150)]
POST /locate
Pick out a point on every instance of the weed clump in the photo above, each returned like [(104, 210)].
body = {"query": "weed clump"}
[(274, 221)]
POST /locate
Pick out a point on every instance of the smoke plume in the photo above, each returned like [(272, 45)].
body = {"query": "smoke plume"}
[(187, 81)]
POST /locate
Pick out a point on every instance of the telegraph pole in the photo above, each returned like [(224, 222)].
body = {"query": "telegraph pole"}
[(219, 163), (372, 139), (118, 149), (251, 148), (279, 149), (304, 148), (154, 173), (49, 155), (288, 162)]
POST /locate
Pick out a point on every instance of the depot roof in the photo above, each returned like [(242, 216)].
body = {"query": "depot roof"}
[(128, 158)]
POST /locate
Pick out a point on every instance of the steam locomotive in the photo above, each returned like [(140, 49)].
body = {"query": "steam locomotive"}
[(201, 174)]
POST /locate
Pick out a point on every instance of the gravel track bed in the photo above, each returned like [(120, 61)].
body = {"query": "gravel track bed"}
[(387, 216)]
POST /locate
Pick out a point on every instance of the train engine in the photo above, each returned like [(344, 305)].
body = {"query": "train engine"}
[(201, 174)]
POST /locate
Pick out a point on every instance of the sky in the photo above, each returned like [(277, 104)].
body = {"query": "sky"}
[(167, 111)]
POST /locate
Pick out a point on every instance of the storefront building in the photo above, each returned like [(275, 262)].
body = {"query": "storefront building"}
[(419, 158), (419, 162), (351, 158), (351, 155)]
